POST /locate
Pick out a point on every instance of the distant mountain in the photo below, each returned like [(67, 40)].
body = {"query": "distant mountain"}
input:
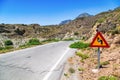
[(65, 22), (84, 15), (80, 16)]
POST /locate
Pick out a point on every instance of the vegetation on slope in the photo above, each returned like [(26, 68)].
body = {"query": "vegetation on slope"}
[(79, 45)]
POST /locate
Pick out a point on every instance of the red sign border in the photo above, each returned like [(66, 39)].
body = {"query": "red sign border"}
[(98, 33)]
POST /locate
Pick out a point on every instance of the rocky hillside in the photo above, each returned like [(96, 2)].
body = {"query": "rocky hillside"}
[(83, 65), (80, 28)]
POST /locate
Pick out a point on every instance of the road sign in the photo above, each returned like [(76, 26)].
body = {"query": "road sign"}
[(99, 41)]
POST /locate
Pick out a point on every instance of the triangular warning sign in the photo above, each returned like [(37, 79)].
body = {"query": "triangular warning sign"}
[(99, 41)]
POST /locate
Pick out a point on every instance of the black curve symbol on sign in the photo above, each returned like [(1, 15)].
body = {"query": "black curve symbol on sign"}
[(99, 40)]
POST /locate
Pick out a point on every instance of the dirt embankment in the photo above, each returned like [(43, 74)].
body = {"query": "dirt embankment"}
[(85, 69)]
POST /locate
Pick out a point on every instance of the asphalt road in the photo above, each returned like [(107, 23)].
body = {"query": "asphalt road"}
[(43, 62)]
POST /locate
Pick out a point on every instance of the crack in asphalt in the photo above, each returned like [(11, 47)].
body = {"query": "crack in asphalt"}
[(13, 66), (28, 69)]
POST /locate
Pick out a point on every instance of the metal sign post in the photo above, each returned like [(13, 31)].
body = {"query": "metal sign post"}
[(99, 58)]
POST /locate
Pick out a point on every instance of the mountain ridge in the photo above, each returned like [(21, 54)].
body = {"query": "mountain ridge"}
[(65, 22), (82, 15)]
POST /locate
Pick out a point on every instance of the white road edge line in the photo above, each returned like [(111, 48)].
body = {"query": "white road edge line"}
[(52, 69)]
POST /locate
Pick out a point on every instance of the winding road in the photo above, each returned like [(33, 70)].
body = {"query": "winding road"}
[(44, 62)]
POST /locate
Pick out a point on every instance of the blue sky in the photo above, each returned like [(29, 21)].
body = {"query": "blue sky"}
[(48, 12)]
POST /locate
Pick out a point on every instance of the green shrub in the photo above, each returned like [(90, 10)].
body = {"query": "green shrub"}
[(1, 48), (83, 38), (108, 78), (105, 63), (8, 43), (8, 47), (24, 46), (33, 42), (79, 54), (76, 33), (80, 69), (54, 40), (82, 61), (51, 40), (83, 56), (71, 70), (100, 20), (116, 31), (69, 39), (65, 74), (103, 78), (79, 45)]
